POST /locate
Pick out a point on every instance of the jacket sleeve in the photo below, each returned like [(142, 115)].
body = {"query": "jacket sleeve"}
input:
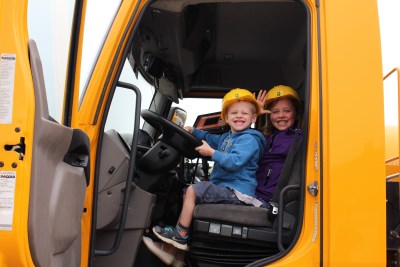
[(243, 149), (211, 139)]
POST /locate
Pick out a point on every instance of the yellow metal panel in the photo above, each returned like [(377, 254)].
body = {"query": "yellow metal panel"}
[(14, 245), (353, 135)]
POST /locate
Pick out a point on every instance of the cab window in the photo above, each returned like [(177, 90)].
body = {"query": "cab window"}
[(95, 34), (50, 25), (46, 17), (121, 115)]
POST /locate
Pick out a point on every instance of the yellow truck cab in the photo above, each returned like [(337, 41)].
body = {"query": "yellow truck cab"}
[(93, 153)]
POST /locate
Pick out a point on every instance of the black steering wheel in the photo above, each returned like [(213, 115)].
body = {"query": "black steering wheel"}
[(173, 135)]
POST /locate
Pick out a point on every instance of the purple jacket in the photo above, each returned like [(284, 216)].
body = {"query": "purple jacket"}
[(278, 145)]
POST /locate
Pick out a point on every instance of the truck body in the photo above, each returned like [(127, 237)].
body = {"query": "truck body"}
[(91, 157)]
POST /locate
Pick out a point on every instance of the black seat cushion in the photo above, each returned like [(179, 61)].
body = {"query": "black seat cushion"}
[(235, 214)]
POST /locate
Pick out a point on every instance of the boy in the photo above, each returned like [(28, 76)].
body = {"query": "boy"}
[(236, 155)]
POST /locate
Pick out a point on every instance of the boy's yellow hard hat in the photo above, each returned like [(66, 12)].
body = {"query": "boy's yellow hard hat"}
[(281, 91), (236, 95)]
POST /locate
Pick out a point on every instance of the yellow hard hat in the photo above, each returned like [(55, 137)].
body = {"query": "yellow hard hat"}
[(236, 95), (281, 91)]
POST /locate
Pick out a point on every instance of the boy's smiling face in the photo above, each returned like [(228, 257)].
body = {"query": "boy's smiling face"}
[(283, 114), (240, 116)]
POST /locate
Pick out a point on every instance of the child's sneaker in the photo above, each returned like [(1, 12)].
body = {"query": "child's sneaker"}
[(169, 235)]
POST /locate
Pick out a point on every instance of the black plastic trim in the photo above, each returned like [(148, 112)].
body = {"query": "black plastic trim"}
[(280, 214), (71, 69), (78, 154)]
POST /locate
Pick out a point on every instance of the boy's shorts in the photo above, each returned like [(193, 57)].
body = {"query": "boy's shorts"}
[(207, 192)]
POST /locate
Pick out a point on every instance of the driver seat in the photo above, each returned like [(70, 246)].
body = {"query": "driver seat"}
[(236, 235)]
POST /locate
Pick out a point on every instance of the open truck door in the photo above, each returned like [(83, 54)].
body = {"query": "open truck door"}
[(47, 198), (45, 164), (65, 200)]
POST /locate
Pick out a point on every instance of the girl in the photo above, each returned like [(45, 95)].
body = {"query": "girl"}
[(283, 110)]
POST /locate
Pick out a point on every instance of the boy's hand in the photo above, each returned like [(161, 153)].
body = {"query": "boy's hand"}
[(205, 149), (188, 128), (261, 98)]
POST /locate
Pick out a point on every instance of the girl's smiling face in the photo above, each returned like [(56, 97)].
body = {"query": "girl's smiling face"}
[(283, 114)]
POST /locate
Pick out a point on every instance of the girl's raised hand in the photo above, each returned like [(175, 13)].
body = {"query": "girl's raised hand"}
[(261, 98)]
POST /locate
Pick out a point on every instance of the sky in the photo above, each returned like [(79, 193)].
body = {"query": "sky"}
[(389, 11), (389, 18)]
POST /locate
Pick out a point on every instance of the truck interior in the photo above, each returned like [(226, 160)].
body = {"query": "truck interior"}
[(197, 49)]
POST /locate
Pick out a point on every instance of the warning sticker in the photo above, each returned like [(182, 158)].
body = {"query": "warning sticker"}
[(7, 192), (7, 71)]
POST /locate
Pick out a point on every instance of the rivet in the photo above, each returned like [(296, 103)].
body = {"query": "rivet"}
[(17, 129), (1, 164), (14, 165)]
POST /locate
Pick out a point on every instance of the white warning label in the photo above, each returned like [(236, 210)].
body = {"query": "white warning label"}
[(7, 195), (7, 71)]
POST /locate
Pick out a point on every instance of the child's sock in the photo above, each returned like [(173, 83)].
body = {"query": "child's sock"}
[(182, 231)]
